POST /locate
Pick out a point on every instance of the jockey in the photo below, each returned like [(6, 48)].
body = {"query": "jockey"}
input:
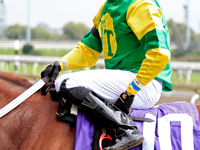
[(134, 39)]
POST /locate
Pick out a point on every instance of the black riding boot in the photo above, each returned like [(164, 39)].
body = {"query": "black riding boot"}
[(128, 135)]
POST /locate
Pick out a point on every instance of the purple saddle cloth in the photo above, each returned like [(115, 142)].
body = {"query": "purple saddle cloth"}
[(175, 127)]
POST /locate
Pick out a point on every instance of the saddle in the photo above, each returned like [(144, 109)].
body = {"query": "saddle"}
[(66, 111)]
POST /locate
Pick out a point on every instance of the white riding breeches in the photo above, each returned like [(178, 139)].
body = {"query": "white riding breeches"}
[(109, 84)]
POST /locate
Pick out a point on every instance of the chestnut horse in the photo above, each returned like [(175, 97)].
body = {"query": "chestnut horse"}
[(33, 124)]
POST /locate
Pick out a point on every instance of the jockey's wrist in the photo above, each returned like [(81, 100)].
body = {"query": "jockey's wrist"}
[(63, 65), (134, 87)]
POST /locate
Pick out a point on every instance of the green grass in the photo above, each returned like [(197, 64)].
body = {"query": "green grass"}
[(52, 52), (28, 69), (195, 78), (8, 51)]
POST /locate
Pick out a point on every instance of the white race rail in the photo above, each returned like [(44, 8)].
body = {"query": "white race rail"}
[(181, 68), (35, 60)]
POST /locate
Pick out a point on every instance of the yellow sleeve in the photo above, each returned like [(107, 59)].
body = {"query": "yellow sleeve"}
[(155, 61), (81, 56), (144, 16)]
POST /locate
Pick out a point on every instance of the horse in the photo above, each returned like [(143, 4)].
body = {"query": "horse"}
[(33, 124)]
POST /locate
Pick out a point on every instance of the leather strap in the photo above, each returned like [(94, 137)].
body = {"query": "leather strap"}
[(141, 119)]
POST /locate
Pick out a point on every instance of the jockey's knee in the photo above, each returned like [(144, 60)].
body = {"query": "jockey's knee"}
[(145, 102), (67, 81)]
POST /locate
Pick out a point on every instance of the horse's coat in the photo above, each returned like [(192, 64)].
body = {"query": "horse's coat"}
[(33, 124)]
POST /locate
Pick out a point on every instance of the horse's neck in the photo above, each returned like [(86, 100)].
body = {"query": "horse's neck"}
[(14, 79), (11, 86)]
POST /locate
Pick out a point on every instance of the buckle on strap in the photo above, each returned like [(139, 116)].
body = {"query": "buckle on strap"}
[(102, 137)]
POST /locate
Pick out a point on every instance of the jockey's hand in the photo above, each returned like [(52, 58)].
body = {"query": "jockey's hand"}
[(48, 69), (124, 102), (126, 98)]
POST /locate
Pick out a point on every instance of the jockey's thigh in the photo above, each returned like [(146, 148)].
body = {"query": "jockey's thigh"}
[(109, 84)]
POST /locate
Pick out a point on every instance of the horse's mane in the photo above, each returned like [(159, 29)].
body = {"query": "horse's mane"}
[(15, 79)]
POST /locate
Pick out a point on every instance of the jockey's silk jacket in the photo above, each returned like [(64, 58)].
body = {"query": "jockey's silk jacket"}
[(133, 36)]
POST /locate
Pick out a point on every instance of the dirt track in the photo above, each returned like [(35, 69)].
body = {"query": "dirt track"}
[(166, 99)]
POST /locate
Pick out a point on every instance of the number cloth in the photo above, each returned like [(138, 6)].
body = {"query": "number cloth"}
[(176, 127)]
